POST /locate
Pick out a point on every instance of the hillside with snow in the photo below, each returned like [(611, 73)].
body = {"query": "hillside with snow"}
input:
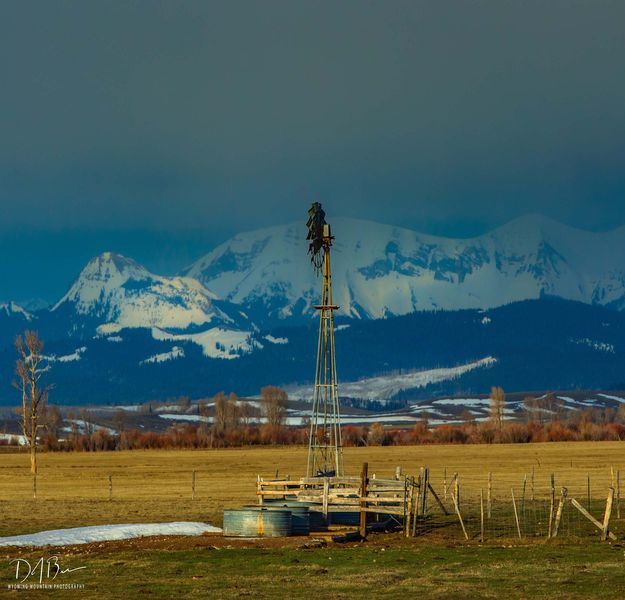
[(381, 270), (117, 293)]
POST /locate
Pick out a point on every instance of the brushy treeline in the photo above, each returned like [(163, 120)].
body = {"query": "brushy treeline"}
[(202, 436)]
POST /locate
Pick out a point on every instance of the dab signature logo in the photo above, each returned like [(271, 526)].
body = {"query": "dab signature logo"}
[(41, 573)]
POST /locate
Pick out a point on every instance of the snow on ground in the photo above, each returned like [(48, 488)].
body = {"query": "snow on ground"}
[(11, 438), (387, 386), (175, 352), (361, 420), (82, 426), (595, 345), (74, 356), (106, 533), (617, 398), (215, 343), (277, 340), (115, 338), (341, 327), (192, 418), (477, 402)]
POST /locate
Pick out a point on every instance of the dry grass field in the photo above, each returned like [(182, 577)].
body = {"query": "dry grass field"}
[(150, 486)]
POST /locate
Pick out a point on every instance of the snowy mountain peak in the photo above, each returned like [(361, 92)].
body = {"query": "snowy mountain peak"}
[(382, 270), (119, 292), (10, 309)]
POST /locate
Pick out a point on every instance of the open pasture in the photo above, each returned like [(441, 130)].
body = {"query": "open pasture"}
[(150, 486)]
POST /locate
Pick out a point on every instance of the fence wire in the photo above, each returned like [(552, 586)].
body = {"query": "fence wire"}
[(535, 515)]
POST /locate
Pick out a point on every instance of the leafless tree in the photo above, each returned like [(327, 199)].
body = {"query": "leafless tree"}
[(119, 420), (497, 405), (30, 368), (274, 402)]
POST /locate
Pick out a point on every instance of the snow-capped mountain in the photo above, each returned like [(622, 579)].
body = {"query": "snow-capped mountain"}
[(116, 292), (12, 309), (381, 270)]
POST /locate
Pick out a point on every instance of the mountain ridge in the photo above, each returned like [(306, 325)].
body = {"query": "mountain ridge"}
[(383, 270)]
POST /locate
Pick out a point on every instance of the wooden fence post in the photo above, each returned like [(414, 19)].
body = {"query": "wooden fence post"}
[(193, 485), (326, 494), (618, 494), (110, 487), (398, 472), (552, 497), (523, 494), (424, 497), (364, 479), (588, 480), (556, 525), (533, 498), (445, 483), (489, 494), (456, 492), (419, 493), (612, 478), (516, 514), (408, 507), (482, 515), (607, 515), (415, 507), (453, 497)]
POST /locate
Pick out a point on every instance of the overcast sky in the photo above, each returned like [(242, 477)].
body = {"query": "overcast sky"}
[(159, 129)]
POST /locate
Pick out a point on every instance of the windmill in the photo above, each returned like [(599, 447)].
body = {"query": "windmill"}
[(325, 447)]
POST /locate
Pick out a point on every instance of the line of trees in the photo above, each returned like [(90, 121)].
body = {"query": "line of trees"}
[(235, 422), (587, 428)]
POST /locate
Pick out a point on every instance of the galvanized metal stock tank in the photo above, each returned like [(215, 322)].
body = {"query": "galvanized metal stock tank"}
[(257, 521)]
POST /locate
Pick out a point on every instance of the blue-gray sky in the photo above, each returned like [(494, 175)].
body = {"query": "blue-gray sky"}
[(159, 129)]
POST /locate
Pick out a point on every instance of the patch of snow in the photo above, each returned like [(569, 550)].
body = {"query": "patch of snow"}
[(277, 340), (599, 346), (486, 320), (74, 356), (341, 327), (175, 352), (114, 338), (215, 343), (83, 426), (387, 386), (109, 328), (191, 418), (479, 402), (107, 533), (14, 437), (617, 398), (12, 308)]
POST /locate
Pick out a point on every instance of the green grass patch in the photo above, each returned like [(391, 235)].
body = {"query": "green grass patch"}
[(536, 571)]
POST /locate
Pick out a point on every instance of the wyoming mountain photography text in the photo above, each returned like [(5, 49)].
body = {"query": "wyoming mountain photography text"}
[(312, 298)]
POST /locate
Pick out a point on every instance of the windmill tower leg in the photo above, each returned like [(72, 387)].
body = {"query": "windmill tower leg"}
[(325, 446)]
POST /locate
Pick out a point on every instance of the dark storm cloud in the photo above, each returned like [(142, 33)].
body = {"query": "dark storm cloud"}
[(446, 116)]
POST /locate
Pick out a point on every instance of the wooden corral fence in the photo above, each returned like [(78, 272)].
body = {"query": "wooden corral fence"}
[(413, 503), (405, 498)]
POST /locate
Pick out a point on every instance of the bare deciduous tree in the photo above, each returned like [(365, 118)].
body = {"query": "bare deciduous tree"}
[(30, 367), (274, 402), (497, 405)]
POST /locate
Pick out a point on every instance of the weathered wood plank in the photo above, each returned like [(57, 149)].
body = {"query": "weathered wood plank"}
[(594, 521)]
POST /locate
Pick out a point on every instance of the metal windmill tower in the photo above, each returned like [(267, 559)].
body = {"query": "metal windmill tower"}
[(325, 446)]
